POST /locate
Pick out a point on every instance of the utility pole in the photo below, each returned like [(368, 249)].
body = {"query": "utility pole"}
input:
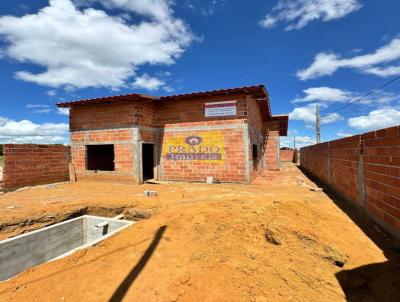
[(318, 125), (294, 142)]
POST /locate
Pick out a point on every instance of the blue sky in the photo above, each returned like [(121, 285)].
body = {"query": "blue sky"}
[(306, 52)]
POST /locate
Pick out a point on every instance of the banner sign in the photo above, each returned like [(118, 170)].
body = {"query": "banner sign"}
[(203, 147), (220, 109)]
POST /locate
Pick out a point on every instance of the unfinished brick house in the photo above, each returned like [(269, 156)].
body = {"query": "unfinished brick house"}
[(228, 134)]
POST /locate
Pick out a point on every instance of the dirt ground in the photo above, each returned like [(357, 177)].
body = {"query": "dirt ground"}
[(273, 240)]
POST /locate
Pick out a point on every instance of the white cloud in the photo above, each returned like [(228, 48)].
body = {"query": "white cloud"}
[(86, 47), (327, 95), (298, 13), (330, 118), (147, 82), (51, 93), (308, 115), (25, 131), (328, 63), (383, 71), (4, 120), (34, 106), (343, 134), (63, 111), (301, 141), (324, 94), (159, 9), (205, 7), (379, 98), (39, 108), (376, 119)]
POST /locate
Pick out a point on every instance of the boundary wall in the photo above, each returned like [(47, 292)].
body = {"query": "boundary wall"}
[(363, 169)]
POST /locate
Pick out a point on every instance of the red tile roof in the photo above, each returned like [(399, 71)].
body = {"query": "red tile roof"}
[(259, 92), (259, 89), (283, 123), (107, 99)]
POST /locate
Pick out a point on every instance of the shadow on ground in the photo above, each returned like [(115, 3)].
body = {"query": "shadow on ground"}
[(378, 282), (123, 288)]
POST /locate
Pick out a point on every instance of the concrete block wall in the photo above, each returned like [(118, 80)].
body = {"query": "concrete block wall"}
[(364, 169), (29, 165)]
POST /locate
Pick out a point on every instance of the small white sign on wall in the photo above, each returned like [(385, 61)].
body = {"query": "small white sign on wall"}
[(220, 109)]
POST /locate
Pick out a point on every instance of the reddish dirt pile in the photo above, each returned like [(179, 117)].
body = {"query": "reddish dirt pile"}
[(273, 240)]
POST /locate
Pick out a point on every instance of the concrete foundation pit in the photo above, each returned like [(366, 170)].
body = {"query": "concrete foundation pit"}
[(24, 251)]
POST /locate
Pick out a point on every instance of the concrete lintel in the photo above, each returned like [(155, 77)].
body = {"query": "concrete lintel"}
[(246, 144), (173, 129), (204, 128), (128, 127), (136, 155), (127, 142), (114, 173)]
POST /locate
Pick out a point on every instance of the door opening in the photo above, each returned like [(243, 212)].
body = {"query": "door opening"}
[(148, 161)]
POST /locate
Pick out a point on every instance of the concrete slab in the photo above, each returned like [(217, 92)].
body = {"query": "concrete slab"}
[(54, 242)]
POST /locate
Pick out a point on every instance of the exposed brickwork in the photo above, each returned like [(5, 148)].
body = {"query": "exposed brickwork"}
[(287, 155), (365, 169), (382, 174), (257, 138), (344, 164), (192, 110), (156, 122), (231, 169), (123, 151), (315, 159), (29, 165), (272, 145), (113, 115)]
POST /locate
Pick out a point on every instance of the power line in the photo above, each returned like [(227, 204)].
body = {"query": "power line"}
[(317, 125), (366, 95), (380, 88), (357, 100)]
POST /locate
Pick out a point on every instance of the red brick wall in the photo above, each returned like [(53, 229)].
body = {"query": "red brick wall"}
[(123, 152), (287, 155), (257, 137), (156, 122), (192, 110), (230, 169), (29, 165), (344, 167), (365, 169), (315, 159), (382, 174), (113, 115), (272, 145)]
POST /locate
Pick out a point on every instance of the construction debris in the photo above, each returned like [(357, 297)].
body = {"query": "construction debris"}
[(316, 189), (210, 180), (150, 193)]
